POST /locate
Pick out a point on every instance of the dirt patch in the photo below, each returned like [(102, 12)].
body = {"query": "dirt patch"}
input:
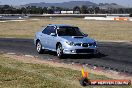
[(57, 63)]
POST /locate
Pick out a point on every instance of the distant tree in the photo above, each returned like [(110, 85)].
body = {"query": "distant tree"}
[(76, 8), (50, 10), (6, 9), (40, 10), (84, 9), (16, 11), (114, 11), (1, 10), (67, 9), (45, 10), (121, 11), (24, 11), (28, 10), (97, 10), (53, 8), (90, 10), (58, 8), (127, 10), (130, 10)]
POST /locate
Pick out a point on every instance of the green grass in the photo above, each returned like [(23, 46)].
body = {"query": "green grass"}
[(16, 74), (100, 30)]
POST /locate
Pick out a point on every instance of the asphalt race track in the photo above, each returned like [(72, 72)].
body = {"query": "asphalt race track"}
[(116, 56)]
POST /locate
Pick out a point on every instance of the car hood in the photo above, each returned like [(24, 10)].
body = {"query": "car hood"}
[(79, 39)]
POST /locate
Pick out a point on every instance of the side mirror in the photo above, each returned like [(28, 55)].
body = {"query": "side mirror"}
[(85, 35), (53, 34)]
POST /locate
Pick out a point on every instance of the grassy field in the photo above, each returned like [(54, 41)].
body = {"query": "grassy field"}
[(18, 74), (100, 30)]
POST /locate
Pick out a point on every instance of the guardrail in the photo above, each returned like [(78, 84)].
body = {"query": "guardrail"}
[(47, 15)]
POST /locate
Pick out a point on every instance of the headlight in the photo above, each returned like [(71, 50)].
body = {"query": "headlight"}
[(70, 43)]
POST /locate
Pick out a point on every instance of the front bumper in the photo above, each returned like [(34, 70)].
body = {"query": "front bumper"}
[(80, 50)]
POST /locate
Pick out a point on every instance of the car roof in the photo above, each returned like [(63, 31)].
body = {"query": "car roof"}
[(60, 25)]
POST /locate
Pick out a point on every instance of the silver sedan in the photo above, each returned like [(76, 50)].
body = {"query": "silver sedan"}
[(64, 39)]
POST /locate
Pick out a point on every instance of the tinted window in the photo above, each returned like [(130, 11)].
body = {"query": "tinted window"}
[(69, 31), (48, 30)]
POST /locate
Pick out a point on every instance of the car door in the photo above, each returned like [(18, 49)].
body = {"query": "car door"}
[(45, 37), (52, 39)]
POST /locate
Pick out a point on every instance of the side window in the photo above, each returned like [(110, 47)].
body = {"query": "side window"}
[(49, 29)]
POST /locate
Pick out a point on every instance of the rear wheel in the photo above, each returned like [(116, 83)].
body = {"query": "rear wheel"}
[(39, 47), (59, 51)]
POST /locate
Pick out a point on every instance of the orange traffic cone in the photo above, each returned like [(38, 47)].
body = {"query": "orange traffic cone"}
[(84, 81)]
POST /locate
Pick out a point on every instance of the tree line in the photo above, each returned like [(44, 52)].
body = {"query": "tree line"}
[(6, 9)]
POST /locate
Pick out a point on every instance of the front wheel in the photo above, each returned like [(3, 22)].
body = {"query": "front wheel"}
[(39, 47), (59, 51)]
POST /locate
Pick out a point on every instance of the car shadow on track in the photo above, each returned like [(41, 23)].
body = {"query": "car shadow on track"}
[(87, 56)]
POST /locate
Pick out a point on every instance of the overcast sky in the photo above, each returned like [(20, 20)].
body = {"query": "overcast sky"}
[(22, 2)]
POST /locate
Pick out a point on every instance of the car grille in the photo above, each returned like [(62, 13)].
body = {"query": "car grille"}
[(84, 50), (90, 44), (78, 44), (84, 44)]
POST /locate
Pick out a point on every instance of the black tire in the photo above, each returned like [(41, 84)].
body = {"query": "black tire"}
[(39, 47), (60, 51)]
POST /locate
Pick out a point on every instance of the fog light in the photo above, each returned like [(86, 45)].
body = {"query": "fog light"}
[(72, 51)]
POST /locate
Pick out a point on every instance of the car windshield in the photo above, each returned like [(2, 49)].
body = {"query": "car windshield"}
[(69, 31)]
